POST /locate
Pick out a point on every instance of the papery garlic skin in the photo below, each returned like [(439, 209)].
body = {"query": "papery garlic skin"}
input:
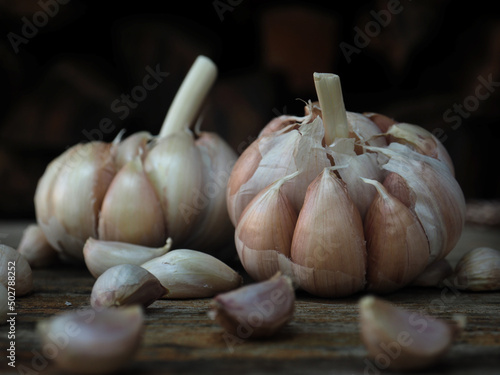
[(189, 273), (14, 264), (478, 270), (256, 310), (416, 221), (97, 342), (142, 189), (124, 285), (101, 255), (434, 275), (36, 249)]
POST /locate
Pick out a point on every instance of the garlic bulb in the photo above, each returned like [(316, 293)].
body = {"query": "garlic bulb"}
[(143, 189), (92, 342), (4, 307), (343, 202), (15, 270)]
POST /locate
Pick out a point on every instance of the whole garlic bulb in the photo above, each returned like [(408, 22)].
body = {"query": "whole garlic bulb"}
[(341, 201), (143, 189)]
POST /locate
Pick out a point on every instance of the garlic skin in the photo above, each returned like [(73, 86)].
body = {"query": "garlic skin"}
[(124, 285), (434, 275), (36, 249), (95, 342), (192, 274), (4, 307), (142, 189), (478, 270), (255, 310), (390, 190), (101, 255), (402, 340), (10, 258)]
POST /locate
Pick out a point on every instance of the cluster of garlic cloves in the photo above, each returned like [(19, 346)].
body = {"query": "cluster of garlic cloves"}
[(343, 202), (143, 189)]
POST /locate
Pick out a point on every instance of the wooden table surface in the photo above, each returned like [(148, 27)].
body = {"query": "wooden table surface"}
[(323, 337)]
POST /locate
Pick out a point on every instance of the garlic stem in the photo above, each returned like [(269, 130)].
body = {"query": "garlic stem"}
[(190, 97), (332, 106)]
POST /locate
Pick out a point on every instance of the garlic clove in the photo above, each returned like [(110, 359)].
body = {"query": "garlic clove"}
[(434, 275), (131, 211), (124, 285), (398, 250), (269, 209), (383, 122), (329, 236), (255, 310), (397, 339), (14, 264), (478, 270), (167, 163), (84, 171), (93, 342), (100, 255), (36, 249), (439, 202), (192, 274), (365, 130), (213, 229), (279, 123), (131, 147), (421, 141)]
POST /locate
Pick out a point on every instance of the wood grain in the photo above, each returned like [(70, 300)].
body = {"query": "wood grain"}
[(322, 338)]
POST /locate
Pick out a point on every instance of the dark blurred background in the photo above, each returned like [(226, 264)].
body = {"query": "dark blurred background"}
[(66, 65)]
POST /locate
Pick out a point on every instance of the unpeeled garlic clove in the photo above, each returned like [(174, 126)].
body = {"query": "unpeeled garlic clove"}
[(192, 274), (397, 339), (131, 209), (93, 342), (434, 275), (329, 236), (126, 284), (398, 250), (100, 255), (255, 310), (127, 150), (36, 249), (15, 271), (478, 270)]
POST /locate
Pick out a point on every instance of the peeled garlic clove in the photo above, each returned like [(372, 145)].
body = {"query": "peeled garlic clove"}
[(329, 236), (213, 229), (175, 158), (397, 339), (93, 342), (126, 284), (192, 274), (100, 255), (255, 310), (421, 141), (131, 210), (36, 249), (478, 270), (434, 274), (84, 171), (15, 270), (398, 250), (4, 307), (269, 209)]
